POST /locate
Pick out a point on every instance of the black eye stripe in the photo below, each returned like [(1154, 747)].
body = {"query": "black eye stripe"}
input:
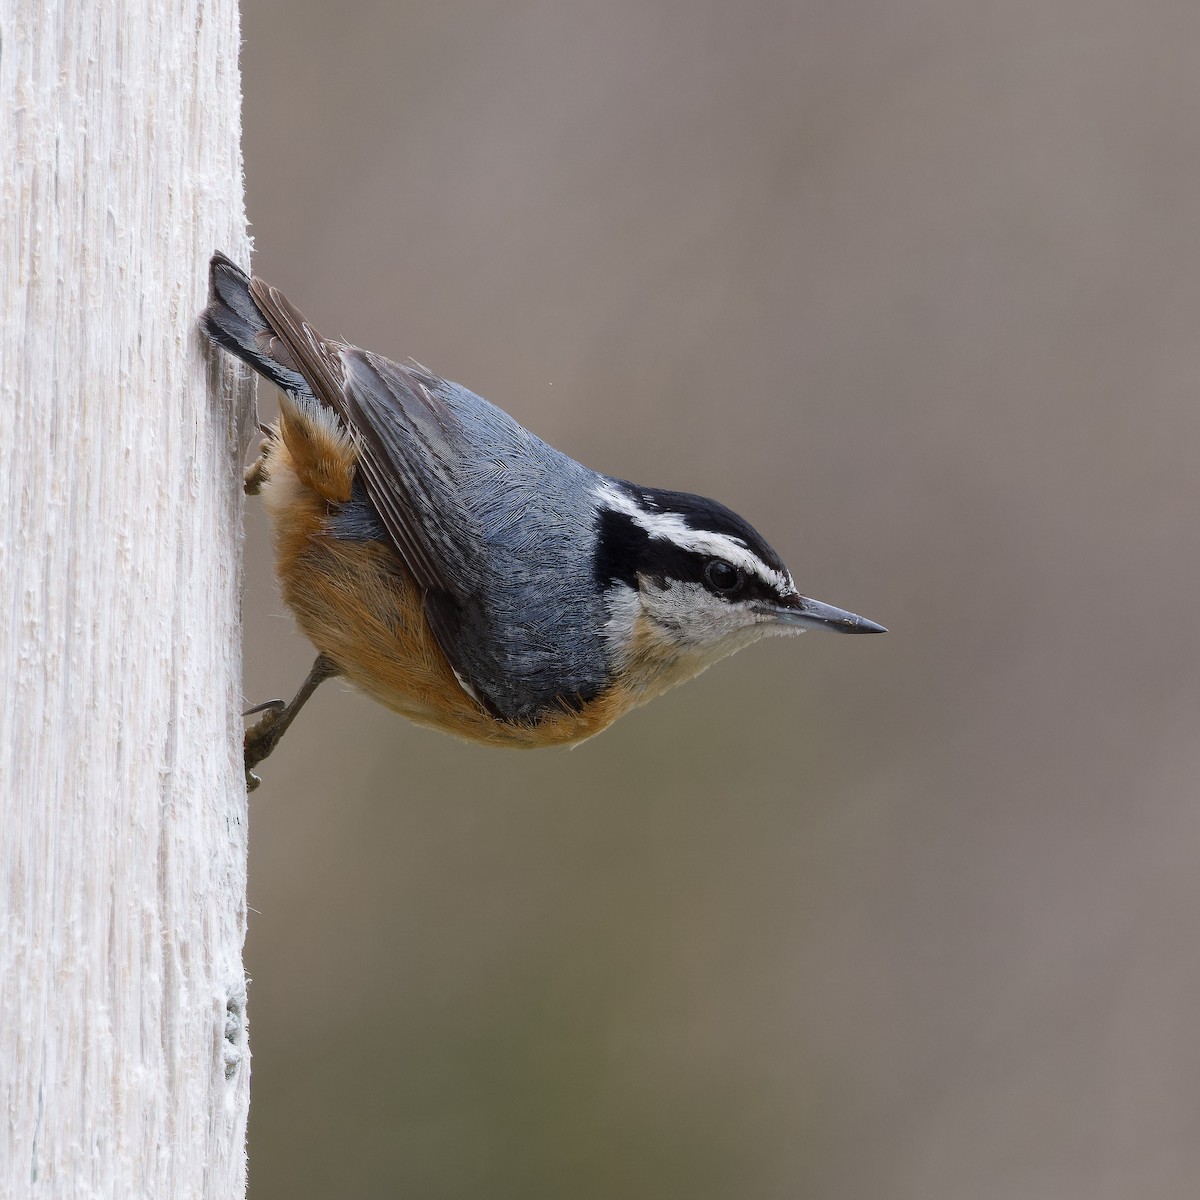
[(620, 548), (626, 553)]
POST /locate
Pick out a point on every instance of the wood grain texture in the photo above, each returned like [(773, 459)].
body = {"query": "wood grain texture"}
[(124, 1069)]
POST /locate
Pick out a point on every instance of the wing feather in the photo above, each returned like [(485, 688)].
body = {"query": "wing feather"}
[(317, 357), (409, 444), (386, 408)]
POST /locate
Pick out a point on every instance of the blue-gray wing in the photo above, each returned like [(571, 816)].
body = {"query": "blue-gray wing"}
[(496, 527), (409, 445)]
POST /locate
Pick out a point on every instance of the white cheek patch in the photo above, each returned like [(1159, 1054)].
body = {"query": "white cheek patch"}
[(656, 637), (691, 613), (673, 528)]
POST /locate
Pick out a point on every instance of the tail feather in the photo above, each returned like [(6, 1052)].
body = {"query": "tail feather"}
[(235, 322)]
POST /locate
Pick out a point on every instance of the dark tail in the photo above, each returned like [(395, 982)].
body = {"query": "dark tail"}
[(237, 324)]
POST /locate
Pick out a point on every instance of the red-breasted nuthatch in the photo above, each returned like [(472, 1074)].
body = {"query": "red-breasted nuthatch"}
[(466, 574)]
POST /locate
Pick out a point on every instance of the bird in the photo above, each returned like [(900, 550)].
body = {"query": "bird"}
[(464, 573)]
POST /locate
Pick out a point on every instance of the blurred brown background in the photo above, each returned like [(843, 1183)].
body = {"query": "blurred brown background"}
[(916, 288)]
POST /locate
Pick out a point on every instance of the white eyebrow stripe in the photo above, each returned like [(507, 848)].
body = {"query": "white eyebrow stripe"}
[(672, 527)]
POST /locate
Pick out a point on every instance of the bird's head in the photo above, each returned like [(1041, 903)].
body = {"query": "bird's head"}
[(687, 581)]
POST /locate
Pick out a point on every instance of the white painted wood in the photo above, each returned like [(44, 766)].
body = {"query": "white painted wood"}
[(124, 1068)]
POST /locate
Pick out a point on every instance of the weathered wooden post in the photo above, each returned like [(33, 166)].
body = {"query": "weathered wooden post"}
[(124, 1069)]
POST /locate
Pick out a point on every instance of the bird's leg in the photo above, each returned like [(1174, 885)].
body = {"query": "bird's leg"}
[(256, 473), (264, 735), (255, 476)]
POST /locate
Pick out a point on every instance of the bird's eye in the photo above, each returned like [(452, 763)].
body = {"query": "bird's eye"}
[(722, 577)]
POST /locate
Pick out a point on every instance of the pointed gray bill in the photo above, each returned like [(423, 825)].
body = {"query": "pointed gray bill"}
[(812, 614)]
